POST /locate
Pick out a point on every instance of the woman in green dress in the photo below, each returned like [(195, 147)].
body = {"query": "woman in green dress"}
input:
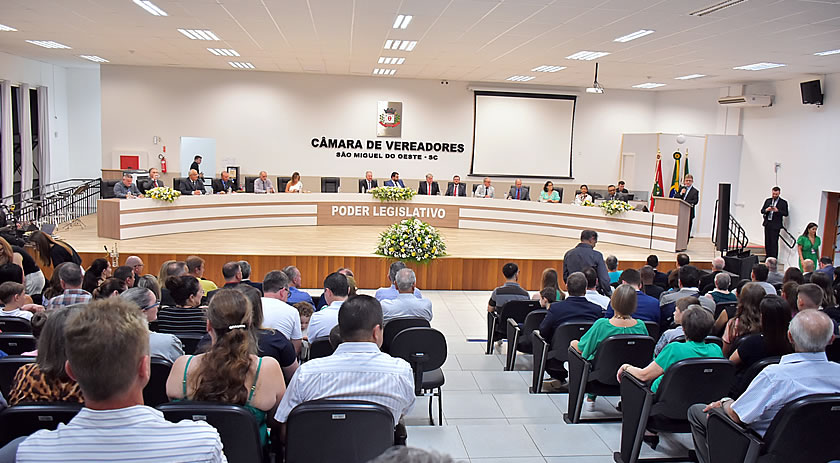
[(549, 194), (809, 245)]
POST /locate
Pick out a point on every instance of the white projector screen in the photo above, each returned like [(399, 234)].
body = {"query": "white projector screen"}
[(523, 134)]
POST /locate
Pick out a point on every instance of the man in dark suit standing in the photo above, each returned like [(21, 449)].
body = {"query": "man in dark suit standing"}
[(395, 180), (584, 256), (224, 184), (429, 187), (690, 195), (192, 185), (367, 183), (195, 165), (456, 188), (519, 192), (773, 210)]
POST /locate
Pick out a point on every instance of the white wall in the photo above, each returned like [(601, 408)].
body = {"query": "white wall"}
[(687, 111), (84, 124)]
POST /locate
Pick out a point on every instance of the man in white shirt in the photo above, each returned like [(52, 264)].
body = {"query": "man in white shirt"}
[(485, 190), (263, 184), (323, 321), (689, 279), (391, 292), (108, 355), (406, 305), (161, 345), (592, 294), (277, 314), (357, 370), (13, 297)]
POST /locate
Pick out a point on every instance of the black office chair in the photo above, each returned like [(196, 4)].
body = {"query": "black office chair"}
[(330, 184), (17, 343), (559, 353), (653, 330), (249, 184), (475, 187), (176, 182), (598, 376), (804, 431), (8, 368), (190, 342), (106, 190), (24, 419), (320, 347), (338, 430), (15, 325), (425, 350), (685, 383), (497, 321), (394, 327), (743, 380), (519, 337), (237, 427), (154, 393), (281, 183), (832, 351)]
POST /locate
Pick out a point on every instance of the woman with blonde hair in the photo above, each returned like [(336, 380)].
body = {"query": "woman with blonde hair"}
[(294, 185)]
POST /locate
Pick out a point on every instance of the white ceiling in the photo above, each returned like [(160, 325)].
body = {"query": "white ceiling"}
[(468, 40)]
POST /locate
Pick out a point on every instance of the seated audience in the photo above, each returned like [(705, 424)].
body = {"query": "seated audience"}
[(335, 293), (747, 316), (127, 188), (37, 324), (295, 283), (612, 268), (759, 276), (687, 278), (270, 342), (277, 314), (548, 297), (391, 292), (224, 184), (358, 370), (549, 194), (519, 192), (192, 185), (263, 184), (772, 339), (125, 274), (809, 296), (245, 266), (793, 274), (232, 274), (510, 291), (196, 268), (790, 292), (721, 292), (10, 272), (774, 276), (15, 302), (583, 196), (170, 268), (660, 279), (294, 185), (647, 308), (70, 277), (485, 190), (707, 281), (672, 334), (33, 276), (136, 264), (550, 279), (592, 294), (650, 288), (826, 266), (47, 380), (232, 354), (808, 267), (109, 288), (99, 270), (406, 304), (161, 345), (322, 301), (829, 301), (305, 310), (806, 371), (108, 354), (150, 282), (51, 252), (185, 317)]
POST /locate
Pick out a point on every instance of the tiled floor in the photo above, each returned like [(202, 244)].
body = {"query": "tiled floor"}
[(489, 416)]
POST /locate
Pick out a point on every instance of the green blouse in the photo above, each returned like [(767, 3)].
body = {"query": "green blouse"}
[(809, 251), (602, 329), (554, 196)]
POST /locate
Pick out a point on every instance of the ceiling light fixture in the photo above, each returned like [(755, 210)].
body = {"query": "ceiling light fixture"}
[(240, 65), (150, 7), (588, 55), (223, 51), (402, 21), (649, 85), (199, 34), (520, 78), (822, 53), (759, 66), (716, 7), (94, 58), (634, 35), (48, 44), (690, 76), (546, 68), (596, 87), (7, 29), (384, 72), (389, 60), (403, 45)]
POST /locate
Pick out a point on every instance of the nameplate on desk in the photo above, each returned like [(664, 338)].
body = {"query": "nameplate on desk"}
[(385, 214)]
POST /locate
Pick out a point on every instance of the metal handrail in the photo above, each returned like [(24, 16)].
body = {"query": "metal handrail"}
[(57, 202), (787, 236), (738, 240)]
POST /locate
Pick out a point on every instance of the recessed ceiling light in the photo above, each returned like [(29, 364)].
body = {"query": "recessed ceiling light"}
[(402, 21), (634, 35), (239, 65), (94, 58), (588, 55), (690, 76), (384, 72), (822, 53), (716, 7), (48, 44), (223, 51), (390, 60), (150, 7), (404, 45), (199, 34), (520, 78), (759, 66), (7, 29), (648, 85), (546, 68)]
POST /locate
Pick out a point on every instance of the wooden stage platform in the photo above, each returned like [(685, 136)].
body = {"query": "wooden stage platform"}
[(474, 261)]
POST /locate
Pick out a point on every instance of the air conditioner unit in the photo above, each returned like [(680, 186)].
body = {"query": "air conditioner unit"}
[(746, 101)]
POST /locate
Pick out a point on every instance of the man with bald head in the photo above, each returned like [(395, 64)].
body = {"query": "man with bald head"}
[(136, 264), (192, 185), (707, 281), (519, 192), (263, 184), (367, 183), (775, 276), (485, 190), (224, 184)]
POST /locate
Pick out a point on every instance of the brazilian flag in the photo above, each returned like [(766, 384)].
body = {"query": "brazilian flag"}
[(675, 178)]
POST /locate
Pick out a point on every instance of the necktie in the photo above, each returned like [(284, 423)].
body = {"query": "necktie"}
[(517, 193), (368, 183), (430, 188)]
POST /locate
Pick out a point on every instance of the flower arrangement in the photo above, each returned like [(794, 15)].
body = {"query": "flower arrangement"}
[(392, 193), (163, 193), (412, 240), (615, 206), (588, 203)]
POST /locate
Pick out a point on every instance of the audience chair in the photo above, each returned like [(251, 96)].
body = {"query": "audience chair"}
[(190, 342), (666, 410), (559, 353), (154, 393), (330, 184), (707, 340), (320, 347), (598, 376), (15, 325), (17, 343), (804, 431), (8, 367), (832, 351), (338, 430), (743, 380), (236, 425), (425, 350), (498, 320), (394, 327), (23, 420), (519, 337), (249, 184), (653, 330), (281, 183)]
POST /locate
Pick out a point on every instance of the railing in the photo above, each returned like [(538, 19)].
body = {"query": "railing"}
[(55, 203), (738, 240), (787, 238)]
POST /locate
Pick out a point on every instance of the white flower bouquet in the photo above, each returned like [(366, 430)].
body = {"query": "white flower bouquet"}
[(392, 193), (411, 240), (615, 206), (163, 193)]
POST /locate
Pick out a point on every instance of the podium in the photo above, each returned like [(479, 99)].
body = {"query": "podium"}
[(681, 209)]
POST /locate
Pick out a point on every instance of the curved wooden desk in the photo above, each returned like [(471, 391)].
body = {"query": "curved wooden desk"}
[(123, 219)]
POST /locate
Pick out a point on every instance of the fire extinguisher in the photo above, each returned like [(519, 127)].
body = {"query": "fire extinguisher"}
[(162, 161)]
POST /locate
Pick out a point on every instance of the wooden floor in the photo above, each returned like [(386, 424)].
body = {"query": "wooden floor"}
[(473, 261)]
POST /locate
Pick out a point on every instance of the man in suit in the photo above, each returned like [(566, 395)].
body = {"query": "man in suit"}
[(660, 279), (367, 183), (485, 190), (621, 188), (429, 187), (519, 192), (192, 185), (154, 179), (690, 195), (224, 184), (395, 180), (195, 165), (707, 281), (773, 210), (613, 194), (245, 266), (456, 188), (584, 256)]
